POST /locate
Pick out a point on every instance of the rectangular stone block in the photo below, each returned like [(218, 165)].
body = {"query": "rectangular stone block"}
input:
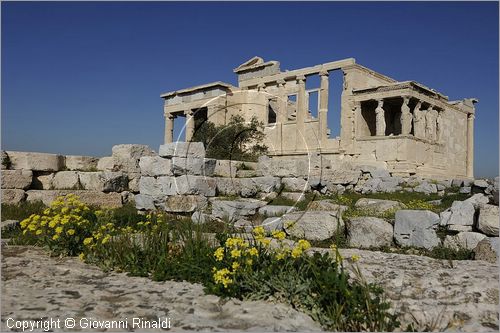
[(195, 185), (154, 166), (42, 180), (95, 198), (81, 163), (107, 163), (144, 202), (131, 151), (17, 179), (228, 186), (36, 161), (13, 196), (225, 168), (66, 180), (104, 181), (183, 203), (182, 149)]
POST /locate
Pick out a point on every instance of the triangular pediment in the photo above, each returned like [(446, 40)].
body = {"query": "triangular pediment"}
[(250, 63)]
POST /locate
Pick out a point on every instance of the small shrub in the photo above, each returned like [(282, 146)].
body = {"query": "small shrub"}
[(237, 140), (62, 227), (317, 285), (6, 162)]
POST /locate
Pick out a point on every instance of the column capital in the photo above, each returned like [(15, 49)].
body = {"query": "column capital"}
[(261, 86), (170, 116), (281, 82), (323, 73), (301, 78), (188, 112), (471, 116)]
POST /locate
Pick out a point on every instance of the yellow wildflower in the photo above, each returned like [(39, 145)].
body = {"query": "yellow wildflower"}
[(46, 211), (253, 252), (304, 245), (234, 242), (235, 253), (71, 232), (55, 237), (279, 235), (355, 257), (280, 255), (106, 239), (235, 266), (219, 254), (38, 232), (264, 241), (222, 277), (259, 231), (87, 241), (81, 256), (333, 247), (24, 223), (59, 230), (32, 227), (249, 262), (296, 252)]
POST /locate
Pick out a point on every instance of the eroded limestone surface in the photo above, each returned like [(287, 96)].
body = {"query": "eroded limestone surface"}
[(445, 295), (35, 285), (460, 294)]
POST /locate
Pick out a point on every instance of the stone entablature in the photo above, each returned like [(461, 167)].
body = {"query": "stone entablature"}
[(374, 107)]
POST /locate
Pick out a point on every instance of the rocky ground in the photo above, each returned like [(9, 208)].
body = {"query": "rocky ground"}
[(433, 294)]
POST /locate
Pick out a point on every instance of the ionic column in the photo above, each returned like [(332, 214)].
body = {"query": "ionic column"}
[(281, 116), (470, 145), (323, 109), (301, 112), (380, 119), (189, 125), (169, 128)]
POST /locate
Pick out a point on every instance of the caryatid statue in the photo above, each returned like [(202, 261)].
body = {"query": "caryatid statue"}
[(439, 127), (380, 118), (430, 123), (418, 121), (406, 117)]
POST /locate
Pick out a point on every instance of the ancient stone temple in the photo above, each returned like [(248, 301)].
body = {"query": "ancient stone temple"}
[(404, 127)]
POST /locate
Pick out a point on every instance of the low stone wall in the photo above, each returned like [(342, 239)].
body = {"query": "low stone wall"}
[(107, 181)]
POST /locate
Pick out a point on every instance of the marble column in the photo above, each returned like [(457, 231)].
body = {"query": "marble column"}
[(301, 112), (189, 125), (169, 128), (470, 145), (282, 115), (380, 119), (323, 109)]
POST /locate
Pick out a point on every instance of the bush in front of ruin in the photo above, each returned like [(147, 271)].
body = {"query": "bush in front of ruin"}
[(238, 140)]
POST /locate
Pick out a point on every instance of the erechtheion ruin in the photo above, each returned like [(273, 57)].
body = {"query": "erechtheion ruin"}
[(402, 126)]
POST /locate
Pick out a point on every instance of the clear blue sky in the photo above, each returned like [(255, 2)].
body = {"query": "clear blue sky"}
[(79, 77)]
